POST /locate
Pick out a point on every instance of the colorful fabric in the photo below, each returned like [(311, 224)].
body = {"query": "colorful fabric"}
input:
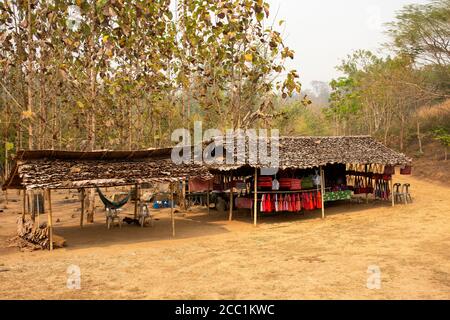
[(337, 195), (243, 203), (200, 185)]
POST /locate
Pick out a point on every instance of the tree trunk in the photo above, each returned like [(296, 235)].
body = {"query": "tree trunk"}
[(91, 129), (402, 132), (30, 78), (419, 137)]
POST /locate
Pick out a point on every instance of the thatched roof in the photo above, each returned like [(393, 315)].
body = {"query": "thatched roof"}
[(309, 152), (72, 169)]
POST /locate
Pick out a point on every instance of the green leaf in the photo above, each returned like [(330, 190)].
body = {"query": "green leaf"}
[(9, 146), (260, 16)]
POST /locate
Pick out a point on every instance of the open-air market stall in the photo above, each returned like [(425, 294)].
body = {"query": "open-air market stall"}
[(311, 171)]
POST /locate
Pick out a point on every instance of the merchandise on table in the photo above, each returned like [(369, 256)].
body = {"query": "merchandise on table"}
[(337, 195)]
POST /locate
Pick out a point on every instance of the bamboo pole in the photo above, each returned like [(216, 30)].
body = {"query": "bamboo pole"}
[(50, 219), (38, 212), (31, 205), (27, 201), (255, 199), (24, 204), (189, 195), (82, 207), (230, 215), (322, 190), (207, 198), (171, 211), (367, 184), (392, 191), (183, 193), (136, 200)]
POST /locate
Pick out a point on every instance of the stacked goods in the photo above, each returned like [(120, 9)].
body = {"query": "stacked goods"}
[(265, 182), (307, 183), (290, 184)]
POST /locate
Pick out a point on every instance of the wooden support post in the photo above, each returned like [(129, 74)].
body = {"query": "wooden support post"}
[(31, 205), (136, 200), (230, 215), (24, 204), (82, 207), (367, 184), (38, 212), (392, 191), (171, 211), (50, 219), (189, 196), (183, 194), (255, 199), (207, 198), (322, 190)]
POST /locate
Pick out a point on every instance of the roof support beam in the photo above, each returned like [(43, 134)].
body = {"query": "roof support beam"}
[(255, 199), (322, 190), (50, 219)]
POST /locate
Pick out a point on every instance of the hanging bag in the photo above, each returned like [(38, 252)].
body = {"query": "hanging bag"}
[(406, 170), (389, 169)]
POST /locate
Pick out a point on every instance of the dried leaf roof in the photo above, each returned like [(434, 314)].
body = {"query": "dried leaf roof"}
[(309, 152), (70, 169)]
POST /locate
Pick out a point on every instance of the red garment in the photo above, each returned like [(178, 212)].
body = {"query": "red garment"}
[(268, 203), (298, 203), (292, 203), (310, 201), (319, 200)]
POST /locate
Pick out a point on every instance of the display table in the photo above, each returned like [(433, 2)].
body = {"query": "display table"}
[(337, 195)]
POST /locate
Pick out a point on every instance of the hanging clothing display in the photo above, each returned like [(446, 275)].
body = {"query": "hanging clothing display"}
[(290, 202), (382, 190)]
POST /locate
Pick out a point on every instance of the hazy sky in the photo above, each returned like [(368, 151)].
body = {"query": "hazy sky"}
[(322, 32)]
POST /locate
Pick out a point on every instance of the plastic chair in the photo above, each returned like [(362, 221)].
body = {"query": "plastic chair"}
[(399, 196), (112, 216), (405, 192), (145, 215)]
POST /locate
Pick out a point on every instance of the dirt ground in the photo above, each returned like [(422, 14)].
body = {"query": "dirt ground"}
[(285, 257)]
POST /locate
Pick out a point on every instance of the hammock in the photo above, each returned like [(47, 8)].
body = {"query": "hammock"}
[(111, 204)]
